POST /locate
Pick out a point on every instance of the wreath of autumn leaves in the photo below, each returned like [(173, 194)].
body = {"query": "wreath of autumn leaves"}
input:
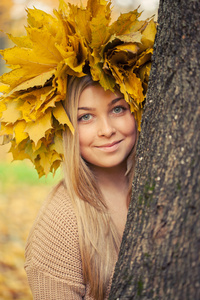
[(117, 53)]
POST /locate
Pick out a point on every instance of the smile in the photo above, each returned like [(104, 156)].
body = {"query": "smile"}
[(110, 147)]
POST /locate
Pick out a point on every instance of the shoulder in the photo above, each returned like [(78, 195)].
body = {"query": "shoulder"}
[(56, 214), (57, 211), (53, 243)]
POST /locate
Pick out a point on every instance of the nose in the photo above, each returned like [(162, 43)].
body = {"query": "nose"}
[(105, 127)]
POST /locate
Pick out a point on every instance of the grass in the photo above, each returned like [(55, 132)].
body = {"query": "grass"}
[(24, 173)]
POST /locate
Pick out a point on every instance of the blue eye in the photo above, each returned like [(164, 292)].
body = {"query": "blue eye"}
[(85, 117), (118, 109)]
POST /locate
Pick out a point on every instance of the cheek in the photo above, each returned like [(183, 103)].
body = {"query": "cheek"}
[(86, 136), (131, 130), (129, 127)]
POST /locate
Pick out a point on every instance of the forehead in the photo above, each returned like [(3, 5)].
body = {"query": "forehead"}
[(96, 94)]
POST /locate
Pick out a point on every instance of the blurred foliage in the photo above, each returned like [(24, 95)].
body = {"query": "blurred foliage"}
[(21, 195), (5, 7)]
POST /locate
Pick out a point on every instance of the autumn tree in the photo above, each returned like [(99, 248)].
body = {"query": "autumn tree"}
[(160, 251)]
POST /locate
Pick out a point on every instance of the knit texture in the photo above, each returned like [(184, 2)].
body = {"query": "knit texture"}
[(53, 261)]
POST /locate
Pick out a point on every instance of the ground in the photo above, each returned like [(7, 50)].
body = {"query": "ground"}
[(21, 195)]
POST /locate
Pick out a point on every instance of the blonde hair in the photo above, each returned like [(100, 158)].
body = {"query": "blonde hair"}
[(99, 239)]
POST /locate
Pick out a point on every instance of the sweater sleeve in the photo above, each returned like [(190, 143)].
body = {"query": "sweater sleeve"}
[(53, 261)]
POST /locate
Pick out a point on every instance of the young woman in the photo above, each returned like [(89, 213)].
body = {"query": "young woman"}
[(73, 246)]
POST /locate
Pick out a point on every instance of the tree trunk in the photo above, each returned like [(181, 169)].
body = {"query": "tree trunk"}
[(160, 251)]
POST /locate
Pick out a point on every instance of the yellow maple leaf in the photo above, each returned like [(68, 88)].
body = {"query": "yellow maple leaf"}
[(100, 33), (80, 18), (39, 80), (18, 151), (21, 41), (33, 150), (39, 19), (60, 80), (35, 147), (4, 88), (36, 130), (133, 37), (45, 162), (144, 72), (44, 46), (143, 58), (148, 35), (126, 23), (75, 59), (106, 81), (63, 7), (19, 128), (133, 87), (19, 75), (2, 106), (6, 129), (98, 8), (42, 98), (57, 146), (27, 109), (11, 114), (61, 115), (48, 104), (26, 56), (7, 138)]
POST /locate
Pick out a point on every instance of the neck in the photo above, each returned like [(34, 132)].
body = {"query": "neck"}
[(113, 183), (110, 175)]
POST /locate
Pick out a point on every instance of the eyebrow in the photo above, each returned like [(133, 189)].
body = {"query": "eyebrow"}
[(86, 108), (110, 104), (115, 100)]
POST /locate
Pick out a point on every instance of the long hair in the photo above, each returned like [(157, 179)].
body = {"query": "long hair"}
[(99, 239)]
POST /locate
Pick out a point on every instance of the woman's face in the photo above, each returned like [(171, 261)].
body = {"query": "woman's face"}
[(107, 129)]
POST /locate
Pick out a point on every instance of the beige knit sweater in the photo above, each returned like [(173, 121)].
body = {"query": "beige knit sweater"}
[(53, 261)]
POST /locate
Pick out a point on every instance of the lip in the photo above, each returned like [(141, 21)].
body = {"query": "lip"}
[(109, 147)]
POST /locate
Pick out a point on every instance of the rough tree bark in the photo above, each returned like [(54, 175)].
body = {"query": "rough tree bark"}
[(160, 251)]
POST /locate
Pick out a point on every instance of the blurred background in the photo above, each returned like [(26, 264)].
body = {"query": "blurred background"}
[(21, 192)]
